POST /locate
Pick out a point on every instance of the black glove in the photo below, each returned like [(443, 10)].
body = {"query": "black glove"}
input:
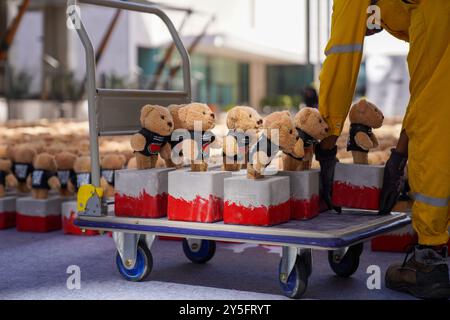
[(327, 160), (394, 172)]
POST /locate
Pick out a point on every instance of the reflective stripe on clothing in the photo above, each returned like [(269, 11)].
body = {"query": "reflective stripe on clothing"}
[(436, 202), (345, 48)]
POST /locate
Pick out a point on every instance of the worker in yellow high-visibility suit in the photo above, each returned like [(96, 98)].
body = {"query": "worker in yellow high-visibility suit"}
[(425, 137)]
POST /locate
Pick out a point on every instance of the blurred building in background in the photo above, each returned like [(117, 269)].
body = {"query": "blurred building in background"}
[(257, 52)]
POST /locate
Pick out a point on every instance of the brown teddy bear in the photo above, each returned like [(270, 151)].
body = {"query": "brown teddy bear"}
[(82, 168), (43, 177), (243, 124), (23, 166), (153, 138), (7, 179), (109, 164), (311, 128), (65, 161), (364, 116), (195, 137), (278, 133)]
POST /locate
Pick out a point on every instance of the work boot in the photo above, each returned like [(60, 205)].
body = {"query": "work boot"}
[(424, 275)]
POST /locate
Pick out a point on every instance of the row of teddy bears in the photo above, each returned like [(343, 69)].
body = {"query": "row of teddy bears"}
[(184, 132), (248, 144)]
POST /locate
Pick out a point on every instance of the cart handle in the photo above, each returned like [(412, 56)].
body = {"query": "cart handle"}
[(90, 67)]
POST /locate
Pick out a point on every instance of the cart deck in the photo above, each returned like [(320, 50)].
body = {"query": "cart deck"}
[(327, 231)]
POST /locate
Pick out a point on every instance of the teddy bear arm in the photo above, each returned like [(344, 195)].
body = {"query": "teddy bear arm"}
[(28, 182), (190, 149), (230, 147), (166, 152), (11, 180), (70, 187), (374, 140), (299, 150), (54, 183), (363, 141), (137, 142), (103, 183)]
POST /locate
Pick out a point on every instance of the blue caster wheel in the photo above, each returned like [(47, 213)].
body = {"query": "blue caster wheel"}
[(349, 263), (142, 268), (200, 253), (297, 281)]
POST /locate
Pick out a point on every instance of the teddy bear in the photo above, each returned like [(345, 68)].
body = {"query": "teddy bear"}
[(43, 177), (154, 136), (243, 124), (65, 161), (278, 133), (109, 164), (364, 116), (311, 128), (7, 179), (131, 164), (23, 166), (82, 168), (195, 137)]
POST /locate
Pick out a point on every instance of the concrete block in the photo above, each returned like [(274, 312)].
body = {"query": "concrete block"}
[(262, 202), (196, 196), (357, 186), (141, 193), (7, 212), (38, 215), (68, 215), (304, 186)]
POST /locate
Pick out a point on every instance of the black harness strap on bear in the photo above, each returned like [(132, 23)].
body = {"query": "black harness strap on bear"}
[(153, 142), (108, 175), (243, 142), (308, 141), (354, 129), (64, 176), (39, 179), (2, 178), (22, 171)]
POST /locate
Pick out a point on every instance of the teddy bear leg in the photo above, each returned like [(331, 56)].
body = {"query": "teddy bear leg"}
[(360, 157), (39, 193), (252, 173), (231, 167), (22, 187), (2, 191), (199, 167), (109, 191), (63, 192), (143, 162)]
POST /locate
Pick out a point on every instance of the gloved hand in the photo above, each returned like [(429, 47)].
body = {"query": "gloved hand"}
[(394, 172), (327, 160)]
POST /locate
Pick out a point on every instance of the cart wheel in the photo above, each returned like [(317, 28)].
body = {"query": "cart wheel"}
[(297, 281), (349, 263), (202, 254), (142, 268)]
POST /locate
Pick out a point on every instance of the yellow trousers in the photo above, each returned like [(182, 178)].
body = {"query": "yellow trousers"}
[(426, 25)]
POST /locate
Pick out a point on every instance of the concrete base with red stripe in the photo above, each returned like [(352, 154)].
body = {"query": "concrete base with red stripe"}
[(357, 186), (304, 186), (7, 212), (196, 196), (141, 193), (36, 215), (68, 215), (261, 202)]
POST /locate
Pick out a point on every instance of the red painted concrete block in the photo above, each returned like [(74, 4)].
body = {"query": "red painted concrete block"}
[(357, 186), (7, 212), (261, 202), (69, 214), (304, 197), (196, 196), (35, 215), (141, 193)]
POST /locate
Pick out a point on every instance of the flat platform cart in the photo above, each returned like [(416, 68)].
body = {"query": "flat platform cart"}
[(113, 112)]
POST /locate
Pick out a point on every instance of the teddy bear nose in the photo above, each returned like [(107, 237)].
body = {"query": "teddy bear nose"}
[(259, 121), (169, 124)]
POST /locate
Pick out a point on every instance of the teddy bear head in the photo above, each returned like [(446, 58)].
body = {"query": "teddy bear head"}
[(244, 118), (310, 121), (82, 164), (6, 151), (193, 114), (5, 165), (279, 125), (173, 109), (24, 154), (366, 113), (156, 119), (45, 161), (113, 161), (65, 160)]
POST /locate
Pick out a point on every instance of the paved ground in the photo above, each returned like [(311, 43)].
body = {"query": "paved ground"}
[(33, 266)]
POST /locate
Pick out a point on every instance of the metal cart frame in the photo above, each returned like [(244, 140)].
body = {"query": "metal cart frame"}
[(113, 112)]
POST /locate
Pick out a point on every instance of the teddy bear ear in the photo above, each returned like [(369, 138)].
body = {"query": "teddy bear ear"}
[(182, 113), (232, 117), (145, 111), (305, 114)]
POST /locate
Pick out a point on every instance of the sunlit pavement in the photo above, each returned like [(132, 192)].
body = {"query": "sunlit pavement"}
[(34, 266)]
